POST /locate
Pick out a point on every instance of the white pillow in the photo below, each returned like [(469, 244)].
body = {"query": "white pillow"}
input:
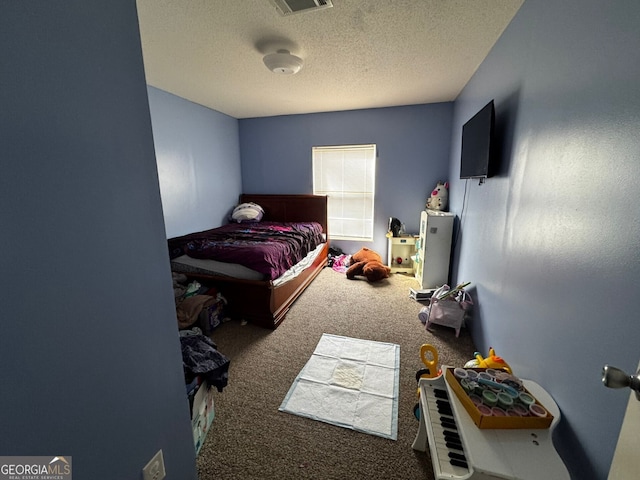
[(247, 212)]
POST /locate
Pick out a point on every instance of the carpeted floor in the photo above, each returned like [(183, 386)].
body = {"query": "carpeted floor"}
[(251, 439)]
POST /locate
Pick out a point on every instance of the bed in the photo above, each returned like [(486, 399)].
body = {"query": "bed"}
[(252, 295)]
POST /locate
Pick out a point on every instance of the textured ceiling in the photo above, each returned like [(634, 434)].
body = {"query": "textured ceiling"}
[(358, 54)]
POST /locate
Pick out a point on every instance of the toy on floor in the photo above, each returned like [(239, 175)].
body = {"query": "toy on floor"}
[(492, 361), (367, 263), (439, 197)]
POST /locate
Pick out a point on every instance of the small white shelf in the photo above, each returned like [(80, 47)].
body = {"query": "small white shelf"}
[(401, 248)]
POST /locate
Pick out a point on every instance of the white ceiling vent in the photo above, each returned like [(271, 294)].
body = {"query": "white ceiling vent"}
[(289, 7)]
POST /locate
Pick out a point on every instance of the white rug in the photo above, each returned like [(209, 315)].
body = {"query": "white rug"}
[(351, 383)]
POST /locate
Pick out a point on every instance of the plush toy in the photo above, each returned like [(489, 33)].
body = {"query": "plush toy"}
[(367, 263), (439, 197)]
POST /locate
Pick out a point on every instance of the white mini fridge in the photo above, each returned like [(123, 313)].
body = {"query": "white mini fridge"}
[(433, 248)]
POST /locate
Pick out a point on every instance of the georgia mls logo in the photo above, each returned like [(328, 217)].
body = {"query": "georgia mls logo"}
[(35, 468)]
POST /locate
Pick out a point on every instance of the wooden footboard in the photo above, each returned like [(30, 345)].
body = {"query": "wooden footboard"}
[(284, 295), (261, 302)]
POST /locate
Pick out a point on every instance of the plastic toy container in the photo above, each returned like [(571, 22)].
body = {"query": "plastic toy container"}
[(481, 415)]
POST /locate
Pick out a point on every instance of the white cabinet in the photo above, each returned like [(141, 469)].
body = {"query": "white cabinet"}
[(399, 254), (433, 248)]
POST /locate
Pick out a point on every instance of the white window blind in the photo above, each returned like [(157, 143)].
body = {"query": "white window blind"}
[(347, 175)]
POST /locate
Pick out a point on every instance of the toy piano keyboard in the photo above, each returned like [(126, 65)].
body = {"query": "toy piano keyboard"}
[(461, 450)]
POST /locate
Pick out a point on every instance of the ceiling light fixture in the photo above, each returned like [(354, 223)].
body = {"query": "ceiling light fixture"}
[(283, 62)]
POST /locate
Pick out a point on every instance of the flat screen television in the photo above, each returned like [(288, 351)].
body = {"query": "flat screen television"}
[(477, 144)]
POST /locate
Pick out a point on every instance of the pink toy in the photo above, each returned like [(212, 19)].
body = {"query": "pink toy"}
[(439, 197)]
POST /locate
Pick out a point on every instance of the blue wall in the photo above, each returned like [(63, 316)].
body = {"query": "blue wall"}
[(91, 365), (413, 152), (198, 157), (551, 244)]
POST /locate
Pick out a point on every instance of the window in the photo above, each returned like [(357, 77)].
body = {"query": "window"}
[(347, 175)]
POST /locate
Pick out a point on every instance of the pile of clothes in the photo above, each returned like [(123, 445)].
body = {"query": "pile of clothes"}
[(199, 310), (197, 305), (202, 361), (338, 260)]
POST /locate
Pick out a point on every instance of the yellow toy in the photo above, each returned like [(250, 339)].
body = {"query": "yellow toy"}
[(492, 361), (432, 370), (429, 356)]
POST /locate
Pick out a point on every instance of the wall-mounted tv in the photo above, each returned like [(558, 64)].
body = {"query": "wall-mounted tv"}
[(477, 144)]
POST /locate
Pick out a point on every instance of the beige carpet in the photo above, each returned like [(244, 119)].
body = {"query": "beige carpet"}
[(251, 439)]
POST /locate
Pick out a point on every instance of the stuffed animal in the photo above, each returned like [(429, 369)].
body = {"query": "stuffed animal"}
[(367, 263), (439, 197)]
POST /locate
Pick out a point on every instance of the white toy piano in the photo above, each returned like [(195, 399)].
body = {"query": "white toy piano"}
[(461, 450)]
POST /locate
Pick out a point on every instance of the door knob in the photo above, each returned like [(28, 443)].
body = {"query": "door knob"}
[(613, 377)]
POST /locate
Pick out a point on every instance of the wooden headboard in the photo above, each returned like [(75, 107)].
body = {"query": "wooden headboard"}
[(291, 208)]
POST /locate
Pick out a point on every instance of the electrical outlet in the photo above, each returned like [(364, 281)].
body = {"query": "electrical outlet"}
[(154, 470)]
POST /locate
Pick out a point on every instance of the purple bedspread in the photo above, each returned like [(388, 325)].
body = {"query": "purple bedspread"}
[(270, 248)]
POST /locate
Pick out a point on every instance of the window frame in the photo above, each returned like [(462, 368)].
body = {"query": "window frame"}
[(347, 197)]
